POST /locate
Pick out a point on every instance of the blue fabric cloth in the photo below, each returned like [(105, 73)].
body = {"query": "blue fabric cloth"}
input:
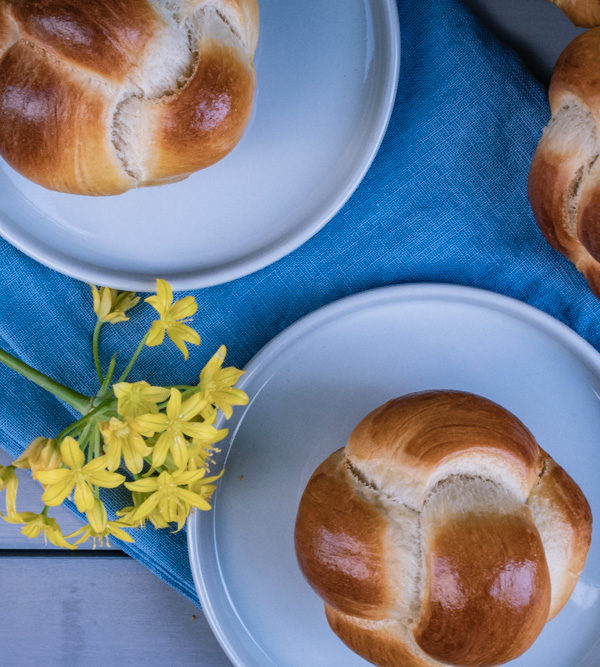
[(445, 200)]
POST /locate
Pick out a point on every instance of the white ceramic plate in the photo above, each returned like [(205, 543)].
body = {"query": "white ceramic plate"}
[(327, 75), (311, 385)]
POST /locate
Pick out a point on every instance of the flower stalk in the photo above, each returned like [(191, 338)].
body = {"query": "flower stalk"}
[(73, 398), (162, 437)]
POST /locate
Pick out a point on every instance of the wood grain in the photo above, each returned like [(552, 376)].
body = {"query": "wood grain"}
[(96, 612)]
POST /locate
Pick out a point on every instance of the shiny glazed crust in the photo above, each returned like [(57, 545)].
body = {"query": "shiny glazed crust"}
[(100, 97), (564, 180), (584, 13), (422, 560)]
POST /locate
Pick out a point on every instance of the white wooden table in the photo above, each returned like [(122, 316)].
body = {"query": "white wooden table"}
[(102, 608)]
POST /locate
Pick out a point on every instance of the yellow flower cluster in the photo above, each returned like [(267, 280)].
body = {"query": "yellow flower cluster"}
[(157, 442)]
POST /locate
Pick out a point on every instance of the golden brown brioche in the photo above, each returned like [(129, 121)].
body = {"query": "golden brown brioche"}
[(564, 181), (441, 534), (584, 13), (100, 97)]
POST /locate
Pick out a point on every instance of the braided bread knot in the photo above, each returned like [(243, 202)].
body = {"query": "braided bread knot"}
[(564, 180), (441, 534), (100, 97)]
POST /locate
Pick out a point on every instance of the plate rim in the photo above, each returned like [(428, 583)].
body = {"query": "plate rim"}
[(73, 267), (510, 306)]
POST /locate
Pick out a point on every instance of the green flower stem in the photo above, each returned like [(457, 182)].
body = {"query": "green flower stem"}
[(95, 342), (70, 430), (136, 354), (109, 374), (69, 396)]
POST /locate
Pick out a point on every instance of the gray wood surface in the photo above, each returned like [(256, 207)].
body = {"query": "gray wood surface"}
[(90, 607), (97, 612), (102, 608)]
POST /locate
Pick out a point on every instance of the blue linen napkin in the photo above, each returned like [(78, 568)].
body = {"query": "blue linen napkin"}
[(444, 201)]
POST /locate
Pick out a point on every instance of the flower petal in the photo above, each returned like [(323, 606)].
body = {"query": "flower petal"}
[(187, 477), (174, 405), (134, 461), (179, 451), (184, 308), (56, 476), (56, 494), (105, 479), (181, 334), (163, 299), (120, 534), (161, 448), (54, 534), (146, 485), (149, 424), (71, 453), (156, 335), (83, 497), (146, 508), (204, 432), (192, 406), (97, 517), (194, 499), (95, 299)]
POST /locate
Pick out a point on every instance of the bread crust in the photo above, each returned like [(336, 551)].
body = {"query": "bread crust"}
[(487, 592), (106, 38), (493, 565), (108, 120), (376, 642), (339, 540), (564, 179), (564, 520), (199, 125), (417, 437), (35, 100)]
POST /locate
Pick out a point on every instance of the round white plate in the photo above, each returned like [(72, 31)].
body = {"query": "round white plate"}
[(327, 74), (312, 384)]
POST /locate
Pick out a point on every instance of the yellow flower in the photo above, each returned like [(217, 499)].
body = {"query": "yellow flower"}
[(60, 482), (121, 440), (97, 516), (138, 398), (36, 524), (112, 529), (216, 384), (9, 483), (42, 454), (201, 454), (110, 305), (99, 528), (170, 496), (174, 426), (155, 518), (172, 319), (204, 485)]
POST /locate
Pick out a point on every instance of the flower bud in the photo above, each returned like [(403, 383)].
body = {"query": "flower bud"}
[(42, 454), (97, 517), (9, 482)]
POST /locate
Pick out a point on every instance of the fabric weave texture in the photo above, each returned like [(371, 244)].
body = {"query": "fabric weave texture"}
[(445, 201)]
